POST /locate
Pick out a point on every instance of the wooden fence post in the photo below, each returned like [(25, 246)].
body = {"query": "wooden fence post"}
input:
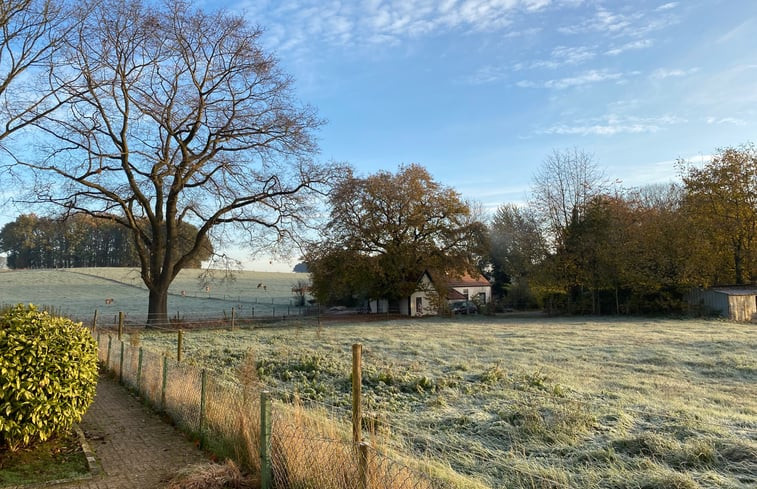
[(163, 388), (363, 465), (265, 440), (357, 377), (121, 365), (107, 359), (139, 369), (233, 319), (94, 322), (203, 383), (179, 346), (120, 325)]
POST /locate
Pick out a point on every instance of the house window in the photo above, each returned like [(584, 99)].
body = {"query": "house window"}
[(465, 293), (482, 297)]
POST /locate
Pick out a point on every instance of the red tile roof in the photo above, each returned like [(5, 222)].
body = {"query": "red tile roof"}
[(454, 295), (467, 280)]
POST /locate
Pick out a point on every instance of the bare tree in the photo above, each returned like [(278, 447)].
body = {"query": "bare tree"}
[(179, 116), (32, 32), (563, 187)]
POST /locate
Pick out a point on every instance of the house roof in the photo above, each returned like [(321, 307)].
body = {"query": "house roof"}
[(736, 290), (454, 295), (468, 280)]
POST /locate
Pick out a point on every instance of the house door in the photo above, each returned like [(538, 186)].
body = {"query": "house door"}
[(419, 306)]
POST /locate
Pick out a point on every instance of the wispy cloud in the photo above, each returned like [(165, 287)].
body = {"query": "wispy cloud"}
[(586, 78), (663, 73), (637, 24), (667, 6), (745, 30), (561, 56), (531, 31), (485, 75), (374, 21), (603, 21), (630, 46), (726, 120), (613, 125), (295, 23)]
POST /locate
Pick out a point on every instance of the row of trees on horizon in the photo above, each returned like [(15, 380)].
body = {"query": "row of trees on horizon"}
[(172, 122), (79, 240), (582, 244)]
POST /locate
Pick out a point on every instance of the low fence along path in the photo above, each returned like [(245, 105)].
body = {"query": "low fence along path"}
[(134, 447)]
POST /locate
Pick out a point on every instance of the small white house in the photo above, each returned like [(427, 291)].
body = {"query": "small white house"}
[(472, 288), (425, 300), (736, 303)]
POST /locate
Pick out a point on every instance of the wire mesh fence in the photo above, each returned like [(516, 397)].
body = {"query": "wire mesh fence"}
[(218, 312), (493, 450), (307, 447)]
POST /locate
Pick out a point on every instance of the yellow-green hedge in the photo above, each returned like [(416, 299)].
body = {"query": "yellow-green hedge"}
[(48, 375)]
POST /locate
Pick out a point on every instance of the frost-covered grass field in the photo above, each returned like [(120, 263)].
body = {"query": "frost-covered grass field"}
[(77, 292), (516, 402), (530, 402)]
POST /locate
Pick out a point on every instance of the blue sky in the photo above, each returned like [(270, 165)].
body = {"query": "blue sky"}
[(481, 91)]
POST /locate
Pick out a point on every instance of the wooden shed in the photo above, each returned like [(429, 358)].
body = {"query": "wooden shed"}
[(738, 303)]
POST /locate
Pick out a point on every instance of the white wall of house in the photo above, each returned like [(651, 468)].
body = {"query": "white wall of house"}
[(421, 305), (422, 300)]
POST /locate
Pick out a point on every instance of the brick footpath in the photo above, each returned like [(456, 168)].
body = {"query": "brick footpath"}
[(134, 447)]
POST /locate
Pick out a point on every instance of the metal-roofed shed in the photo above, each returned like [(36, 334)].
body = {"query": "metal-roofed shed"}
[(738, 303)]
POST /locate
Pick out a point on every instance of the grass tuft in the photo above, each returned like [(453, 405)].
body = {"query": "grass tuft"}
[(213, 476)]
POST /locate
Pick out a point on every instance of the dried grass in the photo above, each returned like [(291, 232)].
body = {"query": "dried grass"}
[(213, 476)]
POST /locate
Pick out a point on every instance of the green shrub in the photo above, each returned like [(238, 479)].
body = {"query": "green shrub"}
[(48, 375)]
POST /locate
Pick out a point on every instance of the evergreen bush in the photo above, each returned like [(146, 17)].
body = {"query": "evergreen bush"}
[(48, 375)]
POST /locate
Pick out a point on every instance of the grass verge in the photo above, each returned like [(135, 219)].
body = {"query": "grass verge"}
[(60, 458)]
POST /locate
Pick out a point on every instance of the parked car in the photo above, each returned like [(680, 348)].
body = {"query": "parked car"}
[(464, 307)]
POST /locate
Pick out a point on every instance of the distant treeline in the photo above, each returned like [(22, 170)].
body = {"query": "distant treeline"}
[(80, 240)]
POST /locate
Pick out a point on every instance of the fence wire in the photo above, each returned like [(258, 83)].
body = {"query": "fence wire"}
[(311, 447)]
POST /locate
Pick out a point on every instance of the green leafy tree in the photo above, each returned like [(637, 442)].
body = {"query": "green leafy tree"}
[(80, 241), (385, 230), (722, 197), (18, 238)]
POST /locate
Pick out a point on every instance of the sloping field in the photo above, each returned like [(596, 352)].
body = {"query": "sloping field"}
[(598, 403), (78, 292)]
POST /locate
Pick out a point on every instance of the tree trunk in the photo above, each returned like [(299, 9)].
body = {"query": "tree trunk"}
[(738, 264), (157, 311)]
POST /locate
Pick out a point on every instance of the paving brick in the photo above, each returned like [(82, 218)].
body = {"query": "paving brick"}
[(135, 448)]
